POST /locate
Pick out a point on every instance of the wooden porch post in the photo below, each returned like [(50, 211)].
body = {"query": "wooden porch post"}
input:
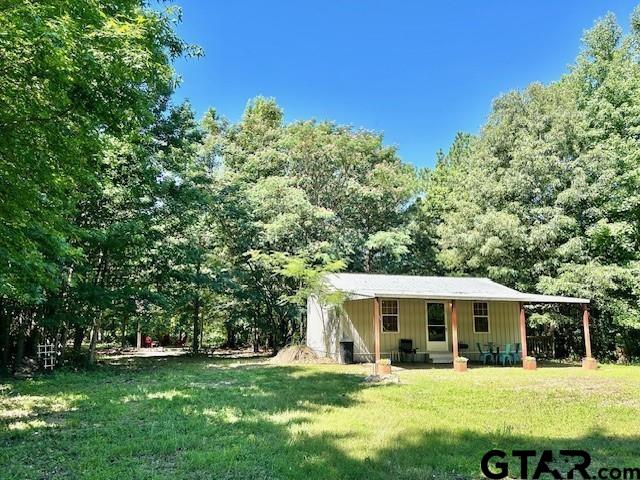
[(376, 333), (523, 332), (454, 330), (588, 362), (587, 333), (527, 363)]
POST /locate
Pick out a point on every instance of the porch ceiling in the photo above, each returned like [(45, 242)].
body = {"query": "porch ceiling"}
[(363, 285)]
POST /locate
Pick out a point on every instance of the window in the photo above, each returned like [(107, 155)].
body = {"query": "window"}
[(480, 317), (389, 316)]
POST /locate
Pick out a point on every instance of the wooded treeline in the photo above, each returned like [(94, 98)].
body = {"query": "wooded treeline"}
[(123, 212)]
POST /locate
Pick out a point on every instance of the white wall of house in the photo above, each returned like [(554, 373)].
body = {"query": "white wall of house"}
[(323, 329)]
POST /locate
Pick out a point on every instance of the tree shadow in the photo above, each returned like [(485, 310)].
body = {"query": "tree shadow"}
[(447, 454), (558, 364), (119, 420), (224, 419)]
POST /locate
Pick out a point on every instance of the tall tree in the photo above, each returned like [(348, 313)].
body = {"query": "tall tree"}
[(76, 78), (305, 198), (546, 197)]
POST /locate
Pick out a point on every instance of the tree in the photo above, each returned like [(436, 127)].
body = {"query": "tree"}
[(78, 80), (300, 200), (546, 197)]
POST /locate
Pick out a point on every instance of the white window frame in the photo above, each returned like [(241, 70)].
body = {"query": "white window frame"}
[(488, 317), (397, 315)]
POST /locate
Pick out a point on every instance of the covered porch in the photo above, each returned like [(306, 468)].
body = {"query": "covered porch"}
[(385, 319), (508, 345)]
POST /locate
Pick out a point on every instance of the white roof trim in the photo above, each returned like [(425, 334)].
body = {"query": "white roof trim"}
[(360, 286)]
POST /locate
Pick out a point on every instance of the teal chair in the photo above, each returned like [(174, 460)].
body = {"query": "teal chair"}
[(506, 355), (516, 354), (484, 355)]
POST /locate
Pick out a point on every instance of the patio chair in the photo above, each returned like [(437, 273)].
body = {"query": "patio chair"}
[(484, 355), (506, 355), (516, 353), (406, 348)]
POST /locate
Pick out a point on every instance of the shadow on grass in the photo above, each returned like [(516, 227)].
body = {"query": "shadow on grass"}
[(557, 364), (199, 419)]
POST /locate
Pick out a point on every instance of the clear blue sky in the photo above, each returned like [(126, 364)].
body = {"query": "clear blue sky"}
[(418, 71)]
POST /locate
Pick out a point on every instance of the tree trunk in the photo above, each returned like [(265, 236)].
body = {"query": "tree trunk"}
[(367, 260), (123, 337), (138, 336), (78, 337), (196, 324), (201, 331), (274, 336), (34, 340), (231, 337), (20, 340), (100, 279), (282, 330), (256, 345), (63, 343), (196, 312), (5, 338), (95, 331)]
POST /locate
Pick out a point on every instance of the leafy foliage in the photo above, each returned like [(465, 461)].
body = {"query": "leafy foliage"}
[(80, 82), (122, 214), (300, 200), (546, 197)]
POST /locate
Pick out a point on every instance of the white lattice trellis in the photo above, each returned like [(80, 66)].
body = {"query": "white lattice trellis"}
[(47, 355)]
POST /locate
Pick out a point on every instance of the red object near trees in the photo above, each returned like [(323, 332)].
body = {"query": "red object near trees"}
[(147, 341)]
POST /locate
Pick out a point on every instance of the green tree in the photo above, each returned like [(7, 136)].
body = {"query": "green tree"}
[(79, 80), (299, 200), (546, 197)]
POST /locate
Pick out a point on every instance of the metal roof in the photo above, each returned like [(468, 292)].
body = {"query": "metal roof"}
[(367, 285)]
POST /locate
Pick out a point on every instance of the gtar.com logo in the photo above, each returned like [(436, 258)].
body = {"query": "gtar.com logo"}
[(528, 464)]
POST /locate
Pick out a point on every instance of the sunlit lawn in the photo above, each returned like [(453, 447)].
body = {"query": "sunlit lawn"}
[(223, 419)]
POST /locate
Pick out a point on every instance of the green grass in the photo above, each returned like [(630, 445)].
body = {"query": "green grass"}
[(223, 419)]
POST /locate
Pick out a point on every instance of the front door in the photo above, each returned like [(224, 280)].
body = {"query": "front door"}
[(436, 328)]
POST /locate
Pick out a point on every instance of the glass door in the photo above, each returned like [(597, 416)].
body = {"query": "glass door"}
[(436, 328)]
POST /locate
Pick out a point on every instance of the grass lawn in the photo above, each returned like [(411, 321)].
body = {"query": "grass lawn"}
[(227, 419)]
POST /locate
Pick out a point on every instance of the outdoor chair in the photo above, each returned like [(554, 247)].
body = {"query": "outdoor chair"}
[(507, 355), (516, 354), (485, 355), (406, 348)]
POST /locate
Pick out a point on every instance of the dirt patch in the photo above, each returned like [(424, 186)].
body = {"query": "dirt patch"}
[(236, 353), (392, 378), (119, 353), (298, 354)]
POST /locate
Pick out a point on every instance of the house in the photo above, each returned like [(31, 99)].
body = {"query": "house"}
[(438, 314)]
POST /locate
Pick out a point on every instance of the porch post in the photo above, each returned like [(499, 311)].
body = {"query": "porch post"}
[(587, 333), (588, 362), (523, 332), (454, 330), (376, 333)]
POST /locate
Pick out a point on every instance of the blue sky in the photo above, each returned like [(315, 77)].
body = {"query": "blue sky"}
[(417, 71)]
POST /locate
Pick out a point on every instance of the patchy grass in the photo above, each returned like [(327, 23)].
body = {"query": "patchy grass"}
[(226, 419)]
